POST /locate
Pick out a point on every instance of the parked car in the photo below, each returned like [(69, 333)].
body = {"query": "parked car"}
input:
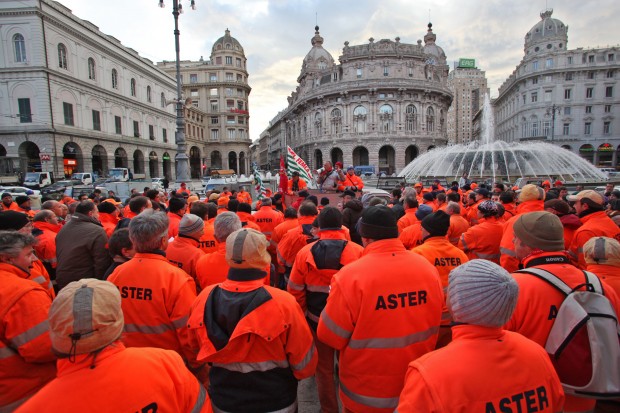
[(58, 189), (19, 190)]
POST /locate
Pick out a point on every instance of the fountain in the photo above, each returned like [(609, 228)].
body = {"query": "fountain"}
[(499, 160)]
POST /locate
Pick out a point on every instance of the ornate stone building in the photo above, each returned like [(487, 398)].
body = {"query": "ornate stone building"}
[(384, 103), (565, 97), (218, 88), (75, 99)]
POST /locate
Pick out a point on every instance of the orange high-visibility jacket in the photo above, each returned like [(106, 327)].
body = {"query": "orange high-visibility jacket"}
[(539, 302), (483, 370), (283, 228), (184, 253), (482, 240), (309, 280), (472, 213), (123, 379), (26, 359), (408, 219), (351, 181), (156, 297), (294, 240), (247, 220), (411, 236), (597, 224), (458, 225), (244, 196), (383, 311), (508, 259), (212, 268), (301, 185), (207, 242), (45, 248), (608, 273), (109, 222), (267, 219), (39, 274), (257, 354), (173, 226)]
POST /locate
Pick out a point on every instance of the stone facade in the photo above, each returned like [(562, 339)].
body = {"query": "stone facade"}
[(468, 85), (218, 88), (382, 104), (566, 97), (74, 99)]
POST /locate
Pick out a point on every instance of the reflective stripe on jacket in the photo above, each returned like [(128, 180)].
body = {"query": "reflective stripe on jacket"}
[(483, 240), (458, 225)]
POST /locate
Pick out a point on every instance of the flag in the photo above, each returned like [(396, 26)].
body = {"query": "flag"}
[(283, 183), (258, 186), (296, 164)]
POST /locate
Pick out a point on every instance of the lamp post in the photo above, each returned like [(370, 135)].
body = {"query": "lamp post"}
[(182, 161), (552, 111)]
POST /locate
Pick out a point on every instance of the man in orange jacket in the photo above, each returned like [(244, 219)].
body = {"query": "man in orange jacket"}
[(46, 227), (482, 194), (441, 381), (254, 336), (482, 240), (309, 282), (589, 206), (96, 373), (411, 236), (410, 203), (296, 184), (458, 224), (380, 321), (351, 182), (176, 210), (296, 238), (23, 205), (602, 256), (183, 251), (244, 196), (108, 216), (156, 295), (244, 212), (539, 243), (208, 212), (7, 202), (26, 358), (531, 198), (267, 219)]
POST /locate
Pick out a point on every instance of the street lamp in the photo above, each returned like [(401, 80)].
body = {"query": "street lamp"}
[(552, 110), (182, 161)]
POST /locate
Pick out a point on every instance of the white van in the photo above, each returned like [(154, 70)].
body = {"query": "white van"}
[(85, 177)]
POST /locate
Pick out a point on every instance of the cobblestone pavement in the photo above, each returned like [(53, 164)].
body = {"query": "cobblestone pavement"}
[(307, 396)]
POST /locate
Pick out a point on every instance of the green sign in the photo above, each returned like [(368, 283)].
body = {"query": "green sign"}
[(468, 63)]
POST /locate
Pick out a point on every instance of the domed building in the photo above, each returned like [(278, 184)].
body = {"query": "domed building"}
[(565, 97), (381, 104)]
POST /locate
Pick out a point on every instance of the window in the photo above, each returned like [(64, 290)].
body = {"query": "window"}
[(118, 125), (215, 134), (218, 60), (231, 134), (67, 109), (359, 73), (606, 128), (524, 98), (411, 118), (568, 76), (132, 87), (591, 59), (213, 91), (230, 104), (96, 120), (386, 71), (229, 91), (229, 60), (588, 109), (566, 129), (62, 56), (25, 115), (535, 65), (567, 93), (547, 96), (238, 62), (148, 94), (214, 106), (214, 120), (548, 78), (569, 60), (19, 47), (240, 105), (546, 129), (535, 128), (151, 132), (410, 71), (610, 57), (549, 63), (535, 80), (230, 120), (194, 93), (212, 77), (534, 97), (230, 77), (322, 65), (591, 75), (609, 92), (610, 74), (567, 111), (114, 79), (587, 128), (181, 79), (430, 120), (589, 92), (164, 134), (136, 129), (163, 100), (193, 78), (607, 108), (239, 78)]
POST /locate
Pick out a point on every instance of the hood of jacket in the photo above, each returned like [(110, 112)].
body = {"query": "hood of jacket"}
[(571, 221)]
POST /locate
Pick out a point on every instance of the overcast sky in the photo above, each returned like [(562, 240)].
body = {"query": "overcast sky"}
[(275, 34)]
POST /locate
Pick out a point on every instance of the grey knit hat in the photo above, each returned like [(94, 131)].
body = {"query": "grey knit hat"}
[(190, 224), (482, 293)]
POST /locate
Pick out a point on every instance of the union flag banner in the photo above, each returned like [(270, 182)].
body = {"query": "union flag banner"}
[(296, 164)]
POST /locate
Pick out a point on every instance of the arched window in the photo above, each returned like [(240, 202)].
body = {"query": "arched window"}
[(148, 94), (318, 124), (385, 116), (132, 87), (411, 118), (322, 65), (19, 45), (430, 120), (385, 109), (91, 69), (62, 56), (163, 100), (336, 121), (114, 79), (359, 119)]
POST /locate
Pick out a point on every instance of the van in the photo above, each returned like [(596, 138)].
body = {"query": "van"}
[(366, 170), (608, 171), (38, 180), (85, 177)]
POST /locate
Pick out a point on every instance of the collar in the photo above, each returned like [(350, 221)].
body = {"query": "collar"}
[(246, 274), (530, 206), (88, 360), (10, 268), (46, 225), (187, 240), (153, 255), (306, 220), (436, 240), (474, 332), (332, 234), (545, 258), (587, 215), (384, 246)]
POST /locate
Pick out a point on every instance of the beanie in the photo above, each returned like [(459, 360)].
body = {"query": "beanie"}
[(488, 208), (12, 220), (542, 230), (423, 211), (532, 192), (5, 194), (176, 204), (106, 207), (602, 250), (85, 316), (558, 205), (190, 224), (482, 293), (247, 248), (429, 196), (330, 218), (21, 199), (324, 201), (436, 224), (378, 222)]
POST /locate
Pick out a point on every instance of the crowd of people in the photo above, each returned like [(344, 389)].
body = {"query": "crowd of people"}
[(177, 302)]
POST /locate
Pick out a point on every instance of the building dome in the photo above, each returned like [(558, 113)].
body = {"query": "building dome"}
[(547, 34), (317, 59), (227, 42), (431, 48)]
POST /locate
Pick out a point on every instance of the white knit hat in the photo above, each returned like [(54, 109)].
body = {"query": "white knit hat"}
[(482, 293)]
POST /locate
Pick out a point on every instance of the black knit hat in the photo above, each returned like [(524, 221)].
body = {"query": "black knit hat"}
[(106, 207), (330, 218), (378, 222), (21, 199), (176, 204), (429, 196), (436, 224), (12, 220)]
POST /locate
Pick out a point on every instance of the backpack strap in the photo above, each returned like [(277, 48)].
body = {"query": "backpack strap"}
[(595, 282), (550, 278)]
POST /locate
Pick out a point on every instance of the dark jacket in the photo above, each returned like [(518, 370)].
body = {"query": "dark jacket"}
[(350, 215), (81, 250)]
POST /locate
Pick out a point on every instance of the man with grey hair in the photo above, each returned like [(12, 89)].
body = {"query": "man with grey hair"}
[(56, 207), (156, 295), (45, 227), (458, 224), (26, 359), (81, 246), (212, 268)]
